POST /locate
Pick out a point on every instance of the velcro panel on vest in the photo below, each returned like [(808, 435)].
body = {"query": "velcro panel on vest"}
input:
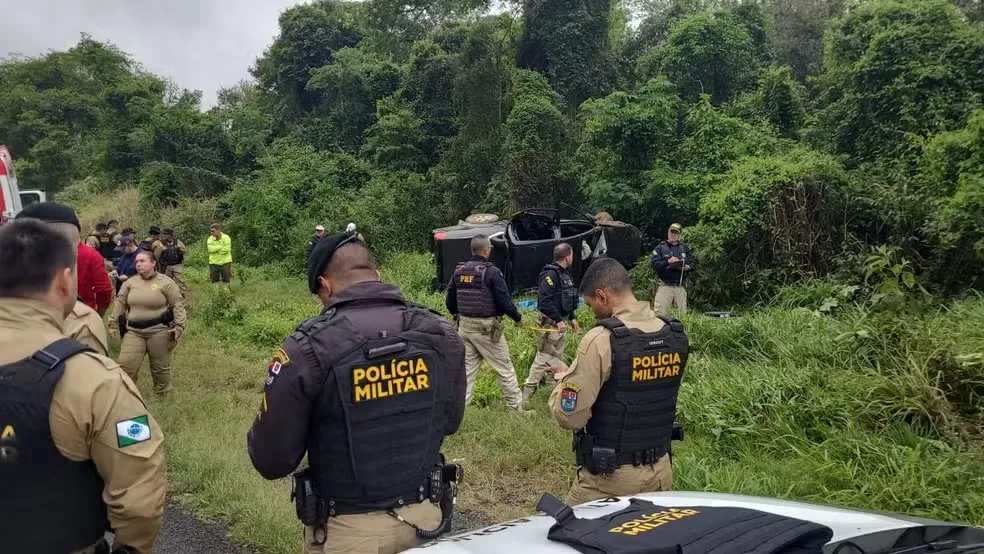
[(39, 483), (644, 527), (636, 406), (389, 390), (473, 294)]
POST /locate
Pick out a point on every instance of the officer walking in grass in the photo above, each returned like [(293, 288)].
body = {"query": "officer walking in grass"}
[(319, 233), (368, 389), (558, 300), (79, 451), (672, 260), (620, 393), (479, 297)]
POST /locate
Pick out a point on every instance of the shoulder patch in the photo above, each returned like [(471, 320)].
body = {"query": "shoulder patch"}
[(568, 396), (550, 281), (280, 359), (132, 431)]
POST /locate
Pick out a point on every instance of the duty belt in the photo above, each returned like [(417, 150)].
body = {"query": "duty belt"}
[(414, 496), (166, 317)]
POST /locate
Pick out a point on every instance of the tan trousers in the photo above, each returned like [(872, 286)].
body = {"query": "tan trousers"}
[(157, 342), (375, 533), (626, 480), (669, 296), (486, 339), (176, 273), (548, 345)]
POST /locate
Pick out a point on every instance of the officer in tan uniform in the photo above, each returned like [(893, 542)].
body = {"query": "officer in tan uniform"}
[(170, 253), (620, 393), (84, 324), (154, 313), (78, 447), (479, 297)]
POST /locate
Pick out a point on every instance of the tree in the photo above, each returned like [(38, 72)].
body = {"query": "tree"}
[(535, 145), (778, 100), (310, 35), (567, 40), (393, 142), (428, 85), (895, 71), (799, 28), (713, 54)]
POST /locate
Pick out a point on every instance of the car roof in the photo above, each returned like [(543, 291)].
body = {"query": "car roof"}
[(531, 532)]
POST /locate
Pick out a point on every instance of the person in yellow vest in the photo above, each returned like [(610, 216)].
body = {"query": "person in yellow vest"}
[(151, 310), (219, 255)]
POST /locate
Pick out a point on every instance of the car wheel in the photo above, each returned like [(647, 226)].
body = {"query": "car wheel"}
[(480, 219)]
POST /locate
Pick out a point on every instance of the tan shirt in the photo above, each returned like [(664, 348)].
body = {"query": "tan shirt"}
[(145, 299), (159, 249), (86, 326), (593, 365), (91, 397)]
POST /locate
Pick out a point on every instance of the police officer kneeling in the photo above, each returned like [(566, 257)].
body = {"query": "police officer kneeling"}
[(620, 393), (369, 389), (73, 428)]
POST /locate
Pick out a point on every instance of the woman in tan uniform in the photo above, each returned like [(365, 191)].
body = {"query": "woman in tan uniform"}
[(155, 318)]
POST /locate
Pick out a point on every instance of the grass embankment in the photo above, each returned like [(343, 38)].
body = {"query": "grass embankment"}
[(851, 410)]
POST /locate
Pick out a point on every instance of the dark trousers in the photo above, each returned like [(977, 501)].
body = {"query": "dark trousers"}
[(220, 273)]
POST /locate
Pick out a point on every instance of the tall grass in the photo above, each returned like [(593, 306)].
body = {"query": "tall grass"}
[(855, 409)]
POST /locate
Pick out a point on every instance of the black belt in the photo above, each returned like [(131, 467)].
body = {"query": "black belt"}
[(644, 457), (166, 317), (414, 496)]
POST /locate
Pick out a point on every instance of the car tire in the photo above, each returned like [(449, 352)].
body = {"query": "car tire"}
[(481, 219)]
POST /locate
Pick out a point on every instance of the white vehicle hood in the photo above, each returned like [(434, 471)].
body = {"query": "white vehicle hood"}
[(529, 534)]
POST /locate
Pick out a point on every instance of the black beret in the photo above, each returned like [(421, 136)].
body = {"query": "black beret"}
[(155, 230), (51, 212), (322, 253), (168, 229)]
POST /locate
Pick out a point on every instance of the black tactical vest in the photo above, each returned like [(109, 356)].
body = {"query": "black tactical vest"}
[(474, 293), (636, 406), (644, 527), (107, 248), (50, 503), (172, 255), (568, 292), (376, 432)]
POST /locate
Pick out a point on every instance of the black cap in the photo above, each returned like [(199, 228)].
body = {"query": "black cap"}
[(51, 212), (168, 230), (128, 231), (322, 253), (155, 230)]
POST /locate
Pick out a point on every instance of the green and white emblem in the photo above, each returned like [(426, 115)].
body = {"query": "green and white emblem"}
[(132, 431)]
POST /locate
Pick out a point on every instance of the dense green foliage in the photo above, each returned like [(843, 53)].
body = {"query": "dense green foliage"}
[(790, 136)]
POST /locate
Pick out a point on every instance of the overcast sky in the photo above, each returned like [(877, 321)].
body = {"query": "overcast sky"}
[(200, 44)]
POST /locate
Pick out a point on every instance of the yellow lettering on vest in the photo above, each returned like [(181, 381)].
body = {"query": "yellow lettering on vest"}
[(8, 432), (676, 371), (398, 376), (639, 375), (648, 522), (363, 392)]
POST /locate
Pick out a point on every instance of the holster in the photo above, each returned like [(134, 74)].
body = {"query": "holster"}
[(166, 319), (498, 327), (311, 509), (121, 322), (597, 460)]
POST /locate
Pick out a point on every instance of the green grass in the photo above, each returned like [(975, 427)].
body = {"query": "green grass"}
[(854, 409)]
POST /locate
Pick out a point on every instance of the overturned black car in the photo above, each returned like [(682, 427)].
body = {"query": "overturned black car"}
[(522, 245)]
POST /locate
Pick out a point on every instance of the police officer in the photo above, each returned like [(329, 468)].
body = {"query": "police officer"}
[(672, 260), (319, 233), (83, 324), (79, 451), (149, 315), (153, 240), (170, 255), (369, 389), (620, 392), (478, 296), (557, 303)]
